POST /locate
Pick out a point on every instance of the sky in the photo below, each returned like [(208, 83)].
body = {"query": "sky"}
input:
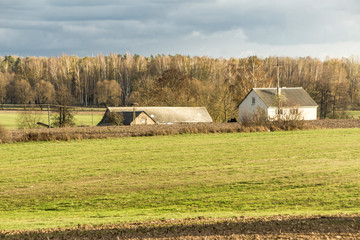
[(213, 28)]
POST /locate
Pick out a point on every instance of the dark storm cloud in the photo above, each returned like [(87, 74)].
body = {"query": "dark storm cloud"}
[(219, 28)]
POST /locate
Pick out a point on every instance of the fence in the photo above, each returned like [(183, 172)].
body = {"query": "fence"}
[(51, 110)]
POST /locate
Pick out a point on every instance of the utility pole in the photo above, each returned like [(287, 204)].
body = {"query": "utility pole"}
[(278, 89)]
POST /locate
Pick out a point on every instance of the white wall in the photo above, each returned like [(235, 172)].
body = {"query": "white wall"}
[(272, 113), (247, 108), (309, 113), (305, 113)]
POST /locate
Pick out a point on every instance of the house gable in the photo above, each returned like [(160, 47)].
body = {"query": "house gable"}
[(143, 119), (250, 104)]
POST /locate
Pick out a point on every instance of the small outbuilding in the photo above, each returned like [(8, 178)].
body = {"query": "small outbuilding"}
[(155, 115), (278, 102)]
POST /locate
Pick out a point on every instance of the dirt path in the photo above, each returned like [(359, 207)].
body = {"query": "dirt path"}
[(275, 227)]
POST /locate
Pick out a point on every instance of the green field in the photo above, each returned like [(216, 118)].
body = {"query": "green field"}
[(9, 120), (355, 114), (58, 184)]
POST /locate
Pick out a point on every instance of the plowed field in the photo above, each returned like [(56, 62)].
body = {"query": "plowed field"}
[(275, 227)]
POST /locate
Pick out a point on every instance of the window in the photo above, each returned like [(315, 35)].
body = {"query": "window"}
[(253, 101)]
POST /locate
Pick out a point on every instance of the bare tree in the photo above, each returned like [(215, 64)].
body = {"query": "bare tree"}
[(28, 119), (334, 84), (4, 82), (108, 92), (19, 91), (44, 92)]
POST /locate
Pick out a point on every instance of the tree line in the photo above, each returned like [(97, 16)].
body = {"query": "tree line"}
[(163, 80)]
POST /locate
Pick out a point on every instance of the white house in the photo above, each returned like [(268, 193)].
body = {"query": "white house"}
[(294, 101)]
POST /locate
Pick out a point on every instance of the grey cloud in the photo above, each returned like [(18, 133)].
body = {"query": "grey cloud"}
[(174, 26), (82, 3), (274, 22)]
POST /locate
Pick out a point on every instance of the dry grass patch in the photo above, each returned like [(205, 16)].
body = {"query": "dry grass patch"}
[(77, 133)]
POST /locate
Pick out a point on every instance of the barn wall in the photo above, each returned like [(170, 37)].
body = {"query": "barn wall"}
[(143, 119)]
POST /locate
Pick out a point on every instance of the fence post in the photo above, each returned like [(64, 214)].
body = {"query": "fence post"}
[(48, 108)]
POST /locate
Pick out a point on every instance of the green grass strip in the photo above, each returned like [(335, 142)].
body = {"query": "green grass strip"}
[(57, 184)]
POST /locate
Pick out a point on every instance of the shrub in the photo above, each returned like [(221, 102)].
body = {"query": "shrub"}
[(259, 117), (4, 136), (28, 120), (116, 119), (64, 118), (342, 115)]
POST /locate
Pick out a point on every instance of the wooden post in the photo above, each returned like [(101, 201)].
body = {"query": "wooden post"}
[(48, 108), (134, 114), (60, 116)]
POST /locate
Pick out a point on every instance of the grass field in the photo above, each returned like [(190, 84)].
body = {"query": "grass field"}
[(9, 120), (355, 114), (58, 184)]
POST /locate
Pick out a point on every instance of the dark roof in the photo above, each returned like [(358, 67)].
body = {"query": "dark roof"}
[(292, 97), (127, 117), (164, 115)]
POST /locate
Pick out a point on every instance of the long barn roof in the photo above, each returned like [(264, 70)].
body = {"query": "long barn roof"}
[(296, 96), (164, 115)]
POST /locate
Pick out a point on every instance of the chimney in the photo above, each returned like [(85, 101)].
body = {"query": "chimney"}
[(134, 114)]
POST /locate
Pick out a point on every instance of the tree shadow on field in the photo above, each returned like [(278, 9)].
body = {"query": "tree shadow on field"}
[(289, 227)]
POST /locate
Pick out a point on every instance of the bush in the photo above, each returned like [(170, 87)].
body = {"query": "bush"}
[(342, 115), (4, 136), (288, 125), (28, 120), (64, 118), (116, 119), (288, 121), (259, 117)]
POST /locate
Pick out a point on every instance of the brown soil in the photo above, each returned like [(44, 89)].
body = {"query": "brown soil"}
[(275, 227), (334, 123)]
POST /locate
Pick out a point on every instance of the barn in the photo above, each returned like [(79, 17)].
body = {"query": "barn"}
[(295, 101), (156, 115)]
